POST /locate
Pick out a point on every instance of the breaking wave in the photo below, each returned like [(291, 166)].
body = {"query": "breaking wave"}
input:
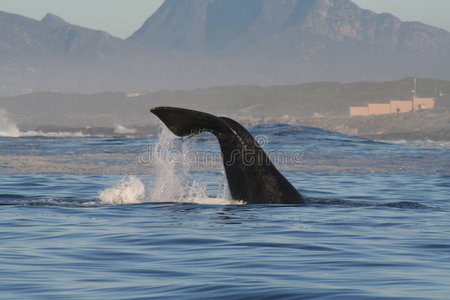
[(9, 129), (120, 129), (428, 144)]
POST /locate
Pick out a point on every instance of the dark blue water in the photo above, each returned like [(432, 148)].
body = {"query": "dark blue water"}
[(376, 224)]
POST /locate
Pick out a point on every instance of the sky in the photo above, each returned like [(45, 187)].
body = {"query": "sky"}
[(121, 18)]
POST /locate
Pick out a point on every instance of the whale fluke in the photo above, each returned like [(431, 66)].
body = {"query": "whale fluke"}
[(251, 175)]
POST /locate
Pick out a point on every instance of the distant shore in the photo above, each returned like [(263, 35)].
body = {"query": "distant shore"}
[(115, 114), (421, 125)]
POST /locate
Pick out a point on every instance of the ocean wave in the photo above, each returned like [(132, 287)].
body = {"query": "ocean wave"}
[(120, 129), (369, 204), (16, 134), (8, 128), (53, 134), (429, 144)]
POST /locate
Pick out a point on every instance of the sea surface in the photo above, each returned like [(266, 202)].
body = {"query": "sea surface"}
[(98, 217)]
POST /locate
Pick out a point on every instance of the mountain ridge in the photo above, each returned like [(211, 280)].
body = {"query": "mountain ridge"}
[(190, 44), (302, 40), (53, 19), (335, 19)]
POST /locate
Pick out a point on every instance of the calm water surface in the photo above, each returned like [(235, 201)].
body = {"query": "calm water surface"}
[(376, 224)]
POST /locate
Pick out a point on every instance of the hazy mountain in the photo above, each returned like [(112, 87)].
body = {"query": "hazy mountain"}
[(286, 28), (189, 44), (54, 55), (54, 19), (298, 40), (280, 27)]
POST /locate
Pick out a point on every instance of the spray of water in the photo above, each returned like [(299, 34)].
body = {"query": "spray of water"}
[(170, 174), (129, 190), (172, 180), (7, 127)]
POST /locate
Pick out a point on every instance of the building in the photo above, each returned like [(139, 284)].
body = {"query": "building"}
[(359, 111), (424, 103), (393, 107)]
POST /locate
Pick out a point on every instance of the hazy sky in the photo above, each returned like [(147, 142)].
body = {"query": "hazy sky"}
[(122, 17)]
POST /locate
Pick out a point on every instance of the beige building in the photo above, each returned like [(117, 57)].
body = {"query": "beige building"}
[(359, 111), (424, 103), (401, 106), (393, 107), (379, 109)]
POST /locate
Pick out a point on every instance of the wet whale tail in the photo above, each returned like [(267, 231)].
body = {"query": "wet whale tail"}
[(251, 176)]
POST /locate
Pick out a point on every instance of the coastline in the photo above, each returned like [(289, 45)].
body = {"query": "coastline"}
[(114, 115), (421, 125), (414, 126)]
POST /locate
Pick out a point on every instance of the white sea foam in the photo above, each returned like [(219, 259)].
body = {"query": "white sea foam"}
[(120, 129), (422, 143), (53, 134), (172, 181), (8, 128)]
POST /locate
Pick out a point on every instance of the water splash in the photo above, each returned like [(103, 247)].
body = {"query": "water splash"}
[(172, 181), (7, 127), (129, 190), (170, 175)]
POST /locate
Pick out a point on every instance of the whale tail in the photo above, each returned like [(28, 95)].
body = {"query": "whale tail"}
[(251, 175), (185, 122)]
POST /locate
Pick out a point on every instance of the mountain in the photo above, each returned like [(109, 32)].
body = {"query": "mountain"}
[(187, 44), (28, 39), (298, 40), (52, 54), (54, 19)]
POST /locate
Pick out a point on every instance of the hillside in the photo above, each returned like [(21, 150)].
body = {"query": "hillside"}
[(320, 104)]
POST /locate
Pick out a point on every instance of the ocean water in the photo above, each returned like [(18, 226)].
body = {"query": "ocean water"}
[(97, 217)]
